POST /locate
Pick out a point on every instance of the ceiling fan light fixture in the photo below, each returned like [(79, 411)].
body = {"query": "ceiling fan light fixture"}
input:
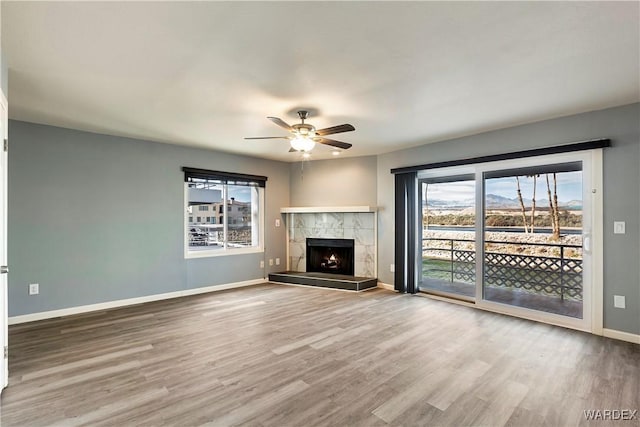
[(335, 152), (302, 144), (303, 136)]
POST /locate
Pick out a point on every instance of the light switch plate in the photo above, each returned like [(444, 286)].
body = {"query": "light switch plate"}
[(619, 227), (34, 289), (277, 222), (619, 301)]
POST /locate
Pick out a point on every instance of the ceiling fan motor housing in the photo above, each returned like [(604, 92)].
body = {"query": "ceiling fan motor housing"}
[(304, 129)]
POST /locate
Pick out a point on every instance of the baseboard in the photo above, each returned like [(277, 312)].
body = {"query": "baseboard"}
[(620, 335), (14, 320), (386, 286)]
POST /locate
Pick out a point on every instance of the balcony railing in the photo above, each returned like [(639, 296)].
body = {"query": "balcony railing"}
[(213, 235), (508, 265)]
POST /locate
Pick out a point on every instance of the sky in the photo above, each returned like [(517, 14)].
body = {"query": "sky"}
[(463, 190), (240, 193), (569, 188)]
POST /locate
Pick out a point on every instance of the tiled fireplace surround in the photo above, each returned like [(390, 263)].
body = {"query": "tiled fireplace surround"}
[(358, 223)]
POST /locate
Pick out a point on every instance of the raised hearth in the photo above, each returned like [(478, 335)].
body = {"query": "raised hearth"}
[(325, 280)]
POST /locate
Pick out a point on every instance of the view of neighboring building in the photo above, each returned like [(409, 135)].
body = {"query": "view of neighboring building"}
[(238, 213)]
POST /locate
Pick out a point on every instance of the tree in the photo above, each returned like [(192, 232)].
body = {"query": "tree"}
[(524, 213), (553, 207), (556, 209), (425, 220), (533, 203), (529, 224)]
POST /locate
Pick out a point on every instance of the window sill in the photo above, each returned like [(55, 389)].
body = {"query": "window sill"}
[(222, 252)]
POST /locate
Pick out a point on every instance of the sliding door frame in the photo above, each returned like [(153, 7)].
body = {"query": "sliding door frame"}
[(592, 320), (449, 172)]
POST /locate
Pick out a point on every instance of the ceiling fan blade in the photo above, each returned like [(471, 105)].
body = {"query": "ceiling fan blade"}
[(333, 143), (281, 123), (292, 150), (267, 137), (335, 129)]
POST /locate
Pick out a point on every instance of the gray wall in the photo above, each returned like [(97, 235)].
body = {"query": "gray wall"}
[(621, 197), (4, 76), (4, 67), (75, 199), (334, 182), (96, 218)]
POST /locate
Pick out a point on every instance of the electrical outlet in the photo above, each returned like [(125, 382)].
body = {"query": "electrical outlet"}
[(34, 289), (270, 261), (619, 301), (277, 222), (277, 261), (619, 227), (262, 264), (392, 268)]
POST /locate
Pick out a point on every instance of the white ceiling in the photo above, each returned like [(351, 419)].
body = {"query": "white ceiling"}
[(207, 74)]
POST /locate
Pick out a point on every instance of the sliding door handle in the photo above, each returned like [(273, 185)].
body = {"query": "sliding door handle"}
[(586, 242), (4, 269)]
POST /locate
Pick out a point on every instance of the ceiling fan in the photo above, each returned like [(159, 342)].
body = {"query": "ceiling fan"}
[(304, 136)]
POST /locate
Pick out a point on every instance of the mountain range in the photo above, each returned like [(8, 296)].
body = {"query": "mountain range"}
[(494, 201)]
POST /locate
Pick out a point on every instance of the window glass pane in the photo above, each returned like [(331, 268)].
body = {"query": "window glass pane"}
[(533, 239), (204, 196), (242, 216), (448, 235)]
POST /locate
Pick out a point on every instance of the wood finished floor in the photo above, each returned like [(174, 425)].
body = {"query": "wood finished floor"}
[(276, 355)]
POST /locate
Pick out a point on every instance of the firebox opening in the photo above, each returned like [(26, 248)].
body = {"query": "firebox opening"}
[(330, 256)]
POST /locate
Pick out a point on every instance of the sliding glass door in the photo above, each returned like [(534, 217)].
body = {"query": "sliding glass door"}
[(512, 236), (448, 235), (533, 242)]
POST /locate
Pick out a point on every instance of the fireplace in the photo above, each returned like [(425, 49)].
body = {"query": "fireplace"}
[(337, 222), (330, 256)]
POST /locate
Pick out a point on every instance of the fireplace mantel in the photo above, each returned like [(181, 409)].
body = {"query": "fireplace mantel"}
[(329, 209)]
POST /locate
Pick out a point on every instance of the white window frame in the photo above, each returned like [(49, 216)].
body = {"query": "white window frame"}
[(224, 251)]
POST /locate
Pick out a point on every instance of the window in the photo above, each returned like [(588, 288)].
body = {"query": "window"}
[(239, 228)]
